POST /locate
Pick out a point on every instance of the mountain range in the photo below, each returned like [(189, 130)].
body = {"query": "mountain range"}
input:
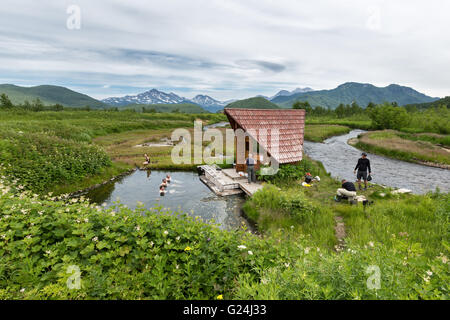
[(154, 96), (361, 93)]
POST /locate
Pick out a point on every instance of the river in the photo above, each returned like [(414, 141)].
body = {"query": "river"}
[(339, 158)]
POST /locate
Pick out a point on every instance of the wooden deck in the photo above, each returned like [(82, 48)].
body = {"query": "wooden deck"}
[(227, 181)]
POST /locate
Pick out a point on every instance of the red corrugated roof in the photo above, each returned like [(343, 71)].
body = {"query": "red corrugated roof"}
[(289, 122)]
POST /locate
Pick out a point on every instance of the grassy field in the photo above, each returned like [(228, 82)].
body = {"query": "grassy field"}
[(156, 254), (354, 122), (320, 132), (49, 151), (418, 148)]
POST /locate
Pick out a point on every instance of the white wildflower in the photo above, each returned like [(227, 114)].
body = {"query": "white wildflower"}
[(166, 232), (22, 290), (242, 247), (250, 252), (429, 273), (95, 239), (306, 250), (371, 244)]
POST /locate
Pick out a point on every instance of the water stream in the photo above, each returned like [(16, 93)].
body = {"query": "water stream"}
[(339, 158)]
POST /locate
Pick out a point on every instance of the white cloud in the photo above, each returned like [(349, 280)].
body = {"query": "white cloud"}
[(228, 49)]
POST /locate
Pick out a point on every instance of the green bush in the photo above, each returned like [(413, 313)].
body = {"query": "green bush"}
[(120, 253), (157, 254), (288, 173), (387, 116)]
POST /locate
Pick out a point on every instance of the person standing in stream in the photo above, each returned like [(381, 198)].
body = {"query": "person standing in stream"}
[(362, 166)]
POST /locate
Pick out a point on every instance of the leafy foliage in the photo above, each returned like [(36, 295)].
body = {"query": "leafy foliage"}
[(387, 116)]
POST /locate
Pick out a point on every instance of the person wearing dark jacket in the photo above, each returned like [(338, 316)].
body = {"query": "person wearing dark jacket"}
[(362, 166), (347, 190)]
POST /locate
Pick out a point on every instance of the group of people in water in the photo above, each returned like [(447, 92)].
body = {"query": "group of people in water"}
[(165, 181), (163, 186)]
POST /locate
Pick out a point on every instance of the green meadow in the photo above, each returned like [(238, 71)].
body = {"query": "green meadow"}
[(395, 248)]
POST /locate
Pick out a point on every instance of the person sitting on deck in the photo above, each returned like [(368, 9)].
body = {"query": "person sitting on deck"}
[(250, 162), (348, 191), (168, 178), (147, 159), (162, 190)]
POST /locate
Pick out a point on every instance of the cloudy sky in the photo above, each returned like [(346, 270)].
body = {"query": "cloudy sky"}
[(224, 48)]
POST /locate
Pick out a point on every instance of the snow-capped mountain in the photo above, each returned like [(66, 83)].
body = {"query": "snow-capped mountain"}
[(290, 93), (206, 101), (158, 97), (149, 97)]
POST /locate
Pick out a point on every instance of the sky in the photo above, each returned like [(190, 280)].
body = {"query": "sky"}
[(228, 49)]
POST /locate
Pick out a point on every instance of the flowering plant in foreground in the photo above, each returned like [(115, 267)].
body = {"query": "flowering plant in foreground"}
[(118, 260)]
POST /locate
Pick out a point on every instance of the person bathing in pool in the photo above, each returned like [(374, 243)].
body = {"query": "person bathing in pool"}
[(164, 183), (168, 178), (162, 190)]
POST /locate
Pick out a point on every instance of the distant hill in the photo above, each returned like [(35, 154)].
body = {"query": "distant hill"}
[(181, 107), (253, 103), (49, 95), (362, 93), (441, 102), (290, 93)]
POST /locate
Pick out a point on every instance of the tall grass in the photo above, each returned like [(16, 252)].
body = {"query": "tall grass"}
[(44, 149)]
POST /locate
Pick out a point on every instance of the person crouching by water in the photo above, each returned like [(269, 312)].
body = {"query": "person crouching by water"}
[(362, 166), (168, 178), (348, 191), (250, 162), (162, 190), (147, 159)]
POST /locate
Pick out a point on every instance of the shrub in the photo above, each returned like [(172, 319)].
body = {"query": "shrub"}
[(291, 172), (386, 116)]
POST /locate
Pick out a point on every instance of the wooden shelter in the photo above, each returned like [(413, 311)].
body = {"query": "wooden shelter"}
[(278, 131)]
